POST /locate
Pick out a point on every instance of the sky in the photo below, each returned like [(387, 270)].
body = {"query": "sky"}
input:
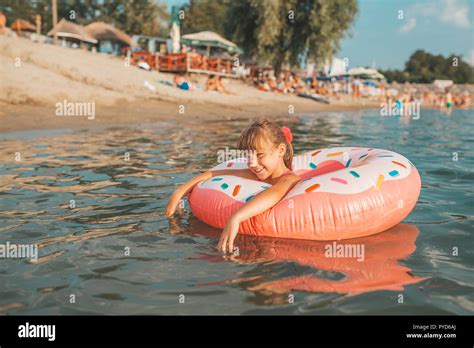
[(385, 37)]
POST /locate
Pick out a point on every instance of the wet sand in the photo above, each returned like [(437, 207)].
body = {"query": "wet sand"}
[(30, 117)]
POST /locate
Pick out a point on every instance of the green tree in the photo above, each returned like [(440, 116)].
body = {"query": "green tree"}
[(201, 15), (18, 9), (147, 17), (423, 67), (287, 31)]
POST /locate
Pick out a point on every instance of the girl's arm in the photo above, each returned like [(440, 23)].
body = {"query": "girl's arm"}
[(184, 189), (257, 205)]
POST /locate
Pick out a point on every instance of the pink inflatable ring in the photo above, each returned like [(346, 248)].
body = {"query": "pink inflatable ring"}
[(344, 193)]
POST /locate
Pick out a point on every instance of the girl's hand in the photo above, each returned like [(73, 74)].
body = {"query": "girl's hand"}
[(173, 203), (226, 242), (261, 202)]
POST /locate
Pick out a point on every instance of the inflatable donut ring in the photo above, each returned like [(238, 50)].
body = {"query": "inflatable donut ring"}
[(344, 192)]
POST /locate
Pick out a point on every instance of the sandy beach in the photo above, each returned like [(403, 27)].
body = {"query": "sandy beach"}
[(35, 77)]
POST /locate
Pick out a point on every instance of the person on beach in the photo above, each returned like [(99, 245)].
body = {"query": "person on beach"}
[(465, 100), (261, 83), (182, 82), (214, 83), (269, 159), (272, 83), (3, 23), (449, 99), (356, 88), (300, 85)]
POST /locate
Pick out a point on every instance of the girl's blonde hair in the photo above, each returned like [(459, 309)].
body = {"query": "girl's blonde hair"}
[(256, 134)]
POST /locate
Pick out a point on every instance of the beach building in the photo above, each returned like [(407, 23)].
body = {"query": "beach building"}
[(443, 84), (109, 39), (336, 67), (72, 35), (204, 52)]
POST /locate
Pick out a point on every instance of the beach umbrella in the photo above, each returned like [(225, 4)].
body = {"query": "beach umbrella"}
[(368, 73), (175, 32), (210, 39)]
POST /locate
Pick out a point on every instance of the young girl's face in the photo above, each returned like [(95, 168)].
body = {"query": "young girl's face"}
[(263, 161)]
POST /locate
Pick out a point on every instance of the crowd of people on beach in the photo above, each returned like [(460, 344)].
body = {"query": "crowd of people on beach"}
[(437, 99), (334, 88), (285, 83), (288, 82)]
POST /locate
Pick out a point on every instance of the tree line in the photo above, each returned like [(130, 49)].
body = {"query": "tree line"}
[(276, 32), (145, 17), (423, 67), (271, 32)]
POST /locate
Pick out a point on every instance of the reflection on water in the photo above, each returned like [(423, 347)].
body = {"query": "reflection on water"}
[(93, 202), (376, 268)]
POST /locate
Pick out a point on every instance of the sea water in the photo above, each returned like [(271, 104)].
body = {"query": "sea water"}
[(92, 201)]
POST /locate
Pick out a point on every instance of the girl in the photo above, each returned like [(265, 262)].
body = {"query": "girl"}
[(269, 160)]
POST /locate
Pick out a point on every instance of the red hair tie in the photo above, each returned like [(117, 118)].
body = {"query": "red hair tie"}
[(287, 133)]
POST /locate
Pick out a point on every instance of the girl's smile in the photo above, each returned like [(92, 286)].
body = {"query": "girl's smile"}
[(266, 163)]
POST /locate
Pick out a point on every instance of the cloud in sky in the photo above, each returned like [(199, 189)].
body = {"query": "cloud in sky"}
[(454, 12), (409, 25), (429, 30)]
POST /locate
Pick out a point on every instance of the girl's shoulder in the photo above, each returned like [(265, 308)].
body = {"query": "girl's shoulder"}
[(241, 173), (288, 178)]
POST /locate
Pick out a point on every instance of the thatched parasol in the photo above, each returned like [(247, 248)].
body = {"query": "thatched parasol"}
[(68, 29), (105, 31)]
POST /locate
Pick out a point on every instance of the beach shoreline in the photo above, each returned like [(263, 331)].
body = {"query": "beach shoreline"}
[(36, 77), (40, 117)]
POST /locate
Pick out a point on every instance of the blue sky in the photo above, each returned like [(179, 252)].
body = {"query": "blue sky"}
[(380, 37)]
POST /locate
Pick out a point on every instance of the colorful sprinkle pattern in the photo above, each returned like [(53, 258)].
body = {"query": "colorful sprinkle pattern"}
[(339, 180), (360, 170)]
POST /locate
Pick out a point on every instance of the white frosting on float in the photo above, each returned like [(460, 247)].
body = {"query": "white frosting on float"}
[(361, 170)]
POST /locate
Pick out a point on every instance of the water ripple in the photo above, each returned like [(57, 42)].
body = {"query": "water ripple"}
[(93, 202)]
